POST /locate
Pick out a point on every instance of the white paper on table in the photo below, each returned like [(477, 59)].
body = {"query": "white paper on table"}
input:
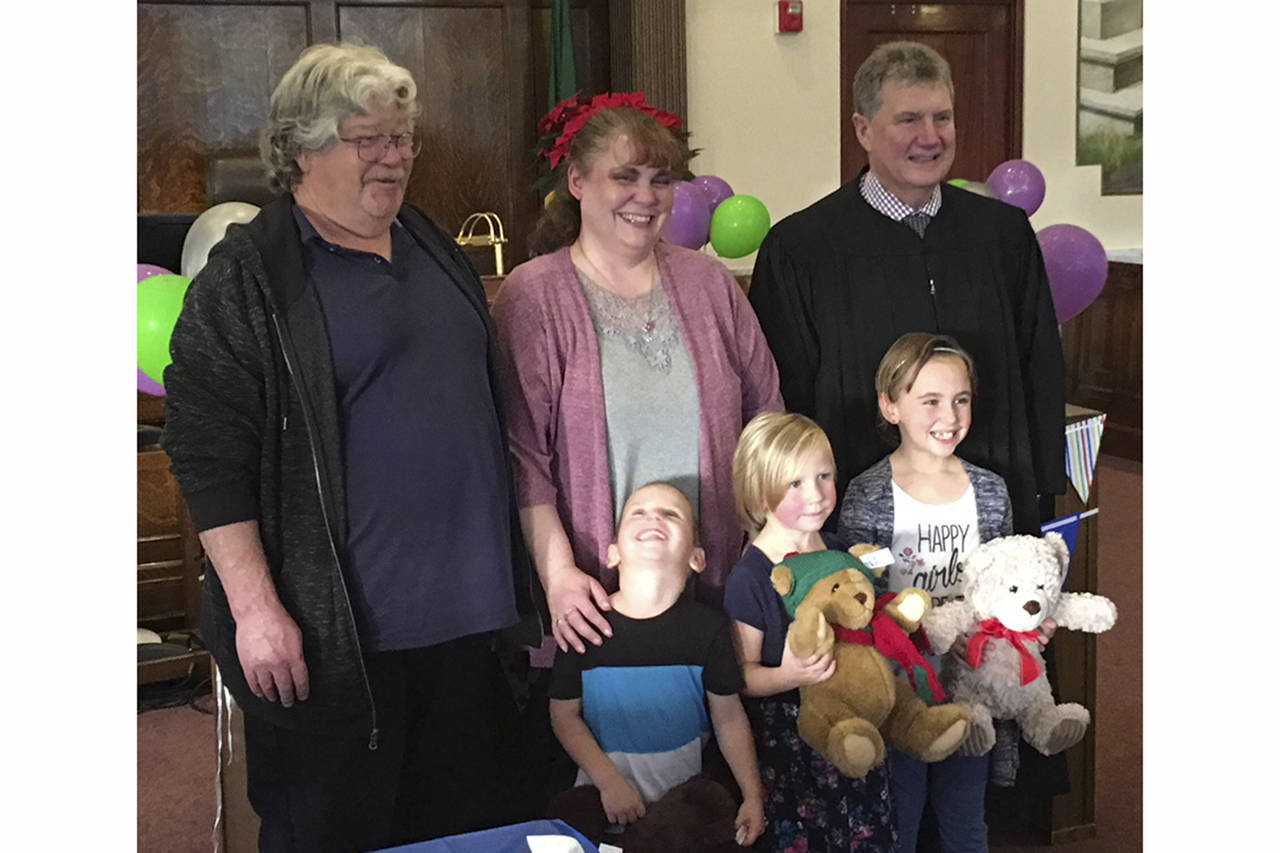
[(553, 844)]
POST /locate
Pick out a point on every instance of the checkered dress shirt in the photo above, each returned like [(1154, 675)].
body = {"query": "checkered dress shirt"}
[(889, 204)]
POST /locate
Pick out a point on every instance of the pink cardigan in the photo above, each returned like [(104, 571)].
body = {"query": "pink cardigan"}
[(551, 383)]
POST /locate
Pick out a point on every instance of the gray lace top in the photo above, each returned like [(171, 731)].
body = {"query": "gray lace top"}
[(650, 392)]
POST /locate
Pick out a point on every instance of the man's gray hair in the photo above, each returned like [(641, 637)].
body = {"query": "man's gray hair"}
[(906, 62), (327, 84)]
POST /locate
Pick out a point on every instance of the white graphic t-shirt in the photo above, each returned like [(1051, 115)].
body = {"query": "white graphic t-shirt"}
[(930, 542)]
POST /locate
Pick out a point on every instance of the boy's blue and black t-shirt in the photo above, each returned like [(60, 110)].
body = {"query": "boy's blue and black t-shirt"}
[(643, 691)]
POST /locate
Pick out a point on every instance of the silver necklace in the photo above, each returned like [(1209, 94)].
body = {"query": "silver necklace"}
[(643, 323)]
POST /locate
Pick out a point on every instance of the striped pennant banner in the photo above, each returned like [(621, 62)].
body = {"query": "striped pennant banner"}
[(1083, 438), (1068, 527)]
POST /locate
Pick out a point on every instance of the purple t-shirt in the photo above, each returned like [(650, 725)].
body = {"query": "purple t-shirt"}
[(428, 542)]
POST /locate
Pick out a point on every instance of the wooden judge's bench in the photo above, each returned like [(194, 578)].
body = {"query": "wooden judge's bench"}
[(169, 562)]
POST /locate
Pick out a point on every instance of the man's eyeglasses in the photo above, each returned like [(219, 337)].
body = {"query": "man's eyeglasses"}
[(371, 149)]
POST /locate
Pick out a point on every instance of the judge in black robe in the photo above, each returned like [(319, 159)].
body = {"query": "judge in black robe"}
[(838, 282)]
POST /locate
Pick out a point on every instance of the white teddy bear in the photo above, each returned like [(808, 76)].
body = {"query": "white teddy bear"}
[(1011, 585)]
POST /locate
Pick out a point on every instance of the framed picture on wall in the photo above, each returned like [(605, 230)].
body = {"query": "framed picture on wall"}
[(1109, 101)]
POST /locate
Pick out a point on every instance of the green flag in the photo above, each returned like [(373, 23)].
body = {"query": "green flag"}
[(564, 74)]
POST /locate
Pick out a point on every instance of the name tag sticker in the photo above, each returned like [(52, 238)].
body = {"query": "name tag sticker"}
[(880, 559)]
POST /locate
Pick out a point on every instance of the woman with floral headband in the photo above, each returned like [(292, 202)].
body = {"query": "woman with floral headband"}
[(625, 360)]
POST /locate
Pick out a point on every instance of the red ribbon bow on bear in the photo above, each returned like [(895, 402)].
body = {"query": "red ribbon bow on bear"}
[(994, 628)]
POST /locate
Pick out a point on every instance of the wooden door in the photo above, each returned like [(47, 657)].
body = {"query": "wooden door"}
[(983, 43)]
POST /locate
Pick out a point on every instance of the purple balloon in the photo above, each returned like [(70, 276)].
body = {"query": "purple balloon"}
[(716, 190), (1077, 268), (148, 270), (690, 221), (1019, 183), (147, 385)]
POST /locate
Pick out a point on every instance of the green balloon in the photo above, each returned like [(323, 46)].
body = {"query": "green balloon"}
[(738, 226), (159, 302), (957, 182), (977, 188)]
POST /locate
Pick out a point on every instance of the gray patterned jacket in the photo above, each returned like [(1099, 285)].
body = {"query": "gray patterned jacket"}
[(866, 513)]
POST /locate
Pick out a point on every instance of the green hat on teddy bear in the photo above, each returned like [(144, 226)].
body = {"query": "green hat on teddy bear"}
[(808, 569)]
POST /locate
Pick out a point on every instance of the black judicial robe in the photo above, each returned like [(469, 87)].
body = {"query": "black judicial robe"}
[(837, 283)]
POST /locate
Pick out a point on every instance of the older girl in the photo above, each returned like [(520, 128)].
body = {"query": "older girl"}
[(931, 508)]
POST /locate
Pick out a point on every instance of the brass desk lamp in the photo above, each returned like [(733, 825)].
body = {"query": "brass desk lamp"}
[(495, 237)]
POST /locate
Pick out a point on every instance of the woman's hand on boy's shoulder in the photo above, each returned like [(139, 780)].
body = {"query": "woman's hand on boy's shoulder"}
[(575, 600)]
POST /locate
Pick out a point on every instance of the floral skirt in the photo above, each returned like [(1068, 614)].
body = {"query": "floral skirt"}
[(809, 805)]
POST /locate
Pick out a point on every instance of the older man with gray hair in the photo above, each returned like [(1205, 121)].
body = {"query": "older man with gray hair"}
[(894, 251), (333, 421)]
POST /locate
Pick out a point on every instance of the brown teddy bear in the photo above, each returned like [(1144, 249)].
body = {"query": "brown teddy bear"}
[(835, 608)]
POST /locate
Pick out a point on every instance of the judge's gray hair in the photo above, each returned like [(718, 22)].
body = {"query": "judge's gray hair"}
[(327, 84), (907, 62)]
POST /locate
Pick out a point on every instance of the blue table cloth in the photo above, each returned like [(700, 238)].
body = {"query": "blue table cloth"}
[(502, 839)]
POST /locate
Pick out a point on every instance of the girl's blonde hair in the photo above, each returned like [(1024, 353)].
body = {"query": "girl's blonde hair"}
[(905, 359), (765, 460)]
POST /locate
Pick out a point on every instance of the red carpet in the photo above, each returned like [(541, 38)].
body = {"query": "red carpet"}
[(177, 763), (1118, 715)]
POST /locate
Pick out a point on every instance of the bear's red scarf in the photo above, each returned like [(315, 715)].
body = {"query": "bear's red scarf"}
[(890, 640)]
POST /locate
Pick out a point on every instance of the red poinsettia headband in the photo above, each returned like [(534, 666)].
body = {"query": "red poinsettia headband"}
[(572, 113)]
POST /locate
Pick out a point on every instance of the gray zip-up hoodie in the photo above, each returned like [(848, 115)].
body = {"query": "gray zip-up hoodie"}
[(252, 432)]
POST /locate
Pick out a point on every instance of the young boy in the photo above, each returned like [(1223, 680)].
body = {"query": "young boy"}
[(633, 713)]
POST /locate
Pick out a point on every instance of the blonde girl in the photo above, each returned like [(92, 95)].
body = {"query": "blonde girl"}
[(784, 488)]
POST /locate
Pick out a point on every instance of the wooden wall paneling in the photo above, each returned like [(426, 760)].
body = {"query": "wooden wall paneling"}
[(205, 75), (206, 69), (540, 51), (1103, 351), (647, 51), (521, 129), (1072, 815), (471, 65), (982, 42), (590, 19), (157, 502), (161, 598), (170, 559), (591, 36), (323, 21), (150, 409), (192, 567)]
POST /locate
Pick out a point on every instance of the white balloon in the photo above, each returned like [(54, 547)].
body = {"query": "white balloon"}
[(209, 228)]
